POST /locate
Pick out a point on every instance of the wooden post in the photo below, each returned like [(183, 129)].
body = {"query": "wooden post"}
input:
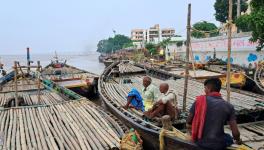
[(28, 60), (166, 123), (229, 49), (39, 82), (187, 57), (16, 96), (238, 12)]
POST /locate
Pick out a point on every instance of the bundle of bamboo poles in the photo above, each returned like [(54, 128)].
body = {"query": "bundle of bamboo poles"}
[(118, 90), (68, 76), (22, 85), (71, 125), (31, 97), (64, 70), (128, 67)]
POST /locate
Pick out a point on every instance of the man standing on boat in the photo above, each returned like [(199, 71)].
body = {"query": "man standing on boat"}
[(149, 92), (207, 118), (166, 105)]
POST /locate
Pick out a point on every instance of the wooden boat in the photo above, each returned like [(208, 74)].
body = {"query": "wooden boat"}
[(108, 61), (48, 116), (2, 70), (113, 87), (75, 79), (201, 72), (259, 76)]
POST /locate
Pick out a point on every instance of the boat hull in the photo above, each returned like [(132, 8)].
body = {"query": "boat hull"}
[(149, 135)]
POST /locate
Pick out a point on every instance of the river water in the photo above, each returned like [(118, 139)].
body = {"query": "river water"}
[(88, 62)]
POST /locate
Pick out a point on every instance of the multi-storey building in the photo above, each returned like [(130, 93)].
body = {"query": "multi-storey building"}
[(153, 34), (137, 34)]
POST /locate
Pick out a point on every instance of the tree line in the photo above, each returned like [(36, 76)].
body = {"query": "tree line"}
[(112, 44)]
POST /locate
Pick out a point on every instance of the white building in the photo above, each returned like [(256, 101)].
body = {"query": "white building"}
[(153, 34)]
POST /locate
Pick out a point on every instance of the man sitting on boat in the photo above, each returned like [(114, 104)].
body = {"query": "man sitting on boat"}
[(149, 92), (207, 118), (134, 100), (166, 104)]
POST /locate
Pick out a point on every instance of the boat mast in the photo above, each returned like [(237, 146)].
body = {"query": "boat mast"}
[(187, 57), (28, 60), (229, 49)]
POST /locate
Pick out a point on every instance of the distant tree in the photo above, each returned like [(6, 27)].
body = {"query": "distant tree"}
[(151, 48), (101, 46), (221, 9), (113, 44), (204, 26), (128, 45)]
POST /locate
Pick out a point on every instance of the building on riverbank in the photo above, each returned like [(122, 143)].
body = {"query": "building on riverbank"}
[(243, 51), (154, 34)]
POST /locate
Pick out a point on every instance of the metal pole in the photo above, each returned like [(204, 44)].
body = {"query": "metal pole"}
[(187, 57), (229, 49), (15, 69)]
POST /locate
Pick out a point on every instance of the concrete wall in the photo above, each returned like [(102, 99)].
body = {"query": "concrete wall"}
[(243, 51)]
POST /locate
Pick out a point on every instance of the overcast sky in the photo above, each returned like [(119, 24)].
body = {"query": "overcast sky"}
[(77, 25)]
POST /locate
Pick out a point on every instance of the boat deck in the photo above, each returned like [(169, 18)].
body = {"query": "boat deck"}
[(31, 98), (197, 73), (22, 85), (66, 72), (242, 103), (252, 134), (128, 68), (72, 125)]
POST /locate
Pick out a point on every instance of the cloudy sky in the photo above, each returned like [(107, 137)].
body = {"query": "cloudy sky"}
[(77, 25)]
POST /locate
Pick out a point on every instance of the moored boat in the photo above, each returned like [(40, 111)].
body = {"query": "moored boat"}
[(39, 114), (113, 87), (75, 79), (2, 70)]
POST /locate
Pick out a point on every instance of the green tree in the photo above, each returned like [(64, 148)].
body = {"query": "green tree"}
[(164, 43), (221, 9), (151, 48), (242, 23), (254, 22), (113, 44), (204, 26)]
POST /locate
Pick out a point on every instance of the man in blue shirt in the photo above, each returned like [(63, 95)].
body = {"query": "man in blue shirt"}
[(207, 118)]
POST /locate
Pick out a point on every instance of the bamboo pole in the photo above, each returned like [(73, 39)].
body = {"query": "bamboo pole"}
[(187, 57), (15, 68), (38, 71), (229, 49)]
